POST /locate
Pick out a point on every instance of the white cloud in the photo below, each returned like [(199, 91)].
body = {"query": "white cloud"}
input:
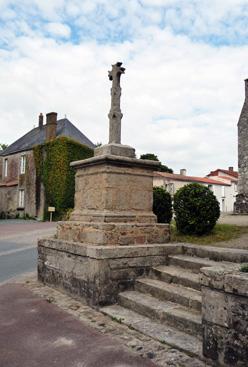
[(58, 30)]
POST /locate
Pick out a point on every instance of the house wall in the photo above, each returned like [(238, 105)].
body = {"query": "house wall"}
[(10, 185)]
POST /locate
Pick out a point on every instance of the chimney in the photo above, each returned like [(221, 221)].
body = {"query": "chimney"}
[(246, 88), (183, 172), (230, 169), (51, 125), (40, 120)]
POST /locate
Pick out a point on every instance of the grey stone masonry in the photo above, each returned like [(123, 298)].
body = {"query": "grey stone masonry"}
[(241, 204), (225, 315)]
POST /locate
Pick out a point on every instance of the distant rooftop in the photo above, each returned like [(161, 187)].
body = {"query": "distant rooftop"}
[(37, 136), (218, 172), (178, 177)]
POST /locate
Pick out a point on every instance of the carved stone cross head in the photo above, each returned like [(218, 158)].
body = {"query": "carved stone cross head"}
[(116, 72)]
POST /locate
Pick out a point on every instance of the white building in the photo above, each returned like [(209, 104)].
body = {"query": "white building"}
[(223, 188)]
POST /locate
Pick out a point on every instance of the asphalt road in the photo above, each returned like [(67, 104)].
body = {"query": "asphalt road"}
[(18, 246)]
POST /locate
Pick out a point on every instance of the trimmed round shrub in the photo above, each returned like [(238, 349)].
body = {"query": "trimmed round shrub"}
[(162, 205), (196, 209)]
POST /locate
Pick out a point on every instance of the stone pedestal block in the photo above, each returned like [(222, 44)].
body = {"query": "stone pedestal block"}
[(114, 189), (225, 315)]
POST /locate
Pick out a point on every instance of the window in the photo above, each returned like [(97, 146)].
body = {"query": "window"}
[(5, 173), (23, 164), (21, 198)]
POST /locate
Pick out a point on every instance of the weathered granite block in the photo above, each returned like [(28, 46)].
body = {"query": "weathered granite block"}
[(117, 234), (114, 189), (225, 315), (97, 273)]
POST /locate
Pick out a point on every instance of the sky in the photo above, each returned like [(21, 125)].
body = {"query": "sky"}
[(183, 90)]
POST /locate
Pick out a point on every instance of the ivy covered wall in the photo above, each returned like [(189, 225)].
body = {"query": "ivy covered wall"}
[(52, 161)]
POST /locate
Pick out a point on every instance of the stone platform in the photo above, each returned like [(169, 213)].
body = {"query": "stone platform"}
[(97, 273)]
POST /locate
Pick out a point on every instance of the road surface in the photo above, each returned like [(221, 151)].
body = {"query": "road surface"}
[(18, 246)]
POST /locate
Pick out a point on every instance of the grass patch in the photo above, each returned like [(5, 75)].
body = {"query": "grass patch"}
[(221, 232)]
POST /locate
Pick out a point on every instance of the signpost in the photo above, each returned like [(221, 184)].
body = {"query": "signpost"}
[(51, 210)]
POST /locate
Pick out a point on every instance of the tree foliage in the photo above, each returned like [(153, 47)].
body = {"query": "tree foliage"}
[(153, 157), (196, 209), (162, 205), (3, 146)]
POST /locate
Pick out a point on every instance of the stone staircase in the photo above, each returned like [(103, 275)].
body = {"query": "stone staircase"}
[(166, 305)]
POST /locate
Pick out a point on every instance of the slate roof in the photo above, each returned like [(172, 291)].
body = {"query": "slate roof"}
[(38, 136)]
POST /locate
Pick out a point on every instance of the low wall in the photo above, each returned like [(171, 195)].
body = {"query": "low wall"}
[(225, 315), (97, 273)]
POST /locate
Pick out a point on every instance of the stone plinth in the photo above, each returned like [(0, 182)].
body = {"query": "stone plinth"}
[(97, 273), (225, 315), (115, 149)]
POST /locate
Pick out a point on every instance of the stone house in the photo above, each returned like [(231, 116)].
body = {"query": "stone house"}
[(222, 188), (18, 179)]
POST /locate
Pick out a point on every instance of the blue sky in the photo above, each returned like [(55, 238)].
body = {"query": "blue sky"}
[(182, 91)]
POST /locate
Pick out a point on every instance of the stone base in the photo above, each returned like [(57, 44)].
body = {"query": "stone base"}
[(241, 204), (97, 273), (116, 234), (115, 149)]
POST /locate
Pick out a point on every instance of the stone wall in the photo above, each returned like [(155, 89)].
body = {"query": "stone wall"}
[(225, 315)]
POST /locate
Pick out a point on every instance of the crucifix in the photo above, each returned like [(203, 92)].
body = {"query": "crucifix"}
[(115, 114)]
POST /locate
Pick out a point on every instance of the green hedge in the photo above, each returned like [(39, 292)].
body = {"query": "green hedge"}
[(162, 205), (52, 161), (196, 209)]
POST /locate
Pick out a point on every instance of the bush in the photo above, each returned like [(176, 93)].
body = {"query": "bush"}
[(244, 268), (196, 209), (162, 205)]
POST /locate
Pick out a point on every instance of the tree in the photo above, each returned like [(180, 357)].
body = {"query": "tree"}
[(3, 146), (153, 157)]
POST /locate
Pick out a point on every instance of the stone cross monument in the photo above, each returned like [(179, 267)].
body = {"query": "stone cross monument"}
[(114, 147), (115, 114), (241, 204), (112, 235)]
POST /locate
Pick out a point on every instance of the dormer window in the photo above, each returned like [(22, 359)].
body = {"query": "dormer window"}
[(22, 164), (5, 167)]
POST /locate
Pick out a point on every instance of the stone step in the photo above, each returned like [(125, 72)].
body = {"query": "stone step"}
[(174, 274), (161, 332), (170, 292), (170, 313), (191, 262), (216, 253)]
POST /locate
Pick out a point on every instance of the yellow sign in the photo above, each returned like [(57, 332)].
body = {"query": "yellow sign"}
[(51, 209)]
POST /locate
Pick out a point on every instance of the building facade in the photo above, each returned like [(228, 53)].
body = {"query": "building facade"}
[(20, 193), (221, 188)]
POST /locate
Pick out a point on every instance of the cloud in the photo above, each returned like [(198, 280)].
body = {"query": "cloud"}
[(58, 30), (181, 94)]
